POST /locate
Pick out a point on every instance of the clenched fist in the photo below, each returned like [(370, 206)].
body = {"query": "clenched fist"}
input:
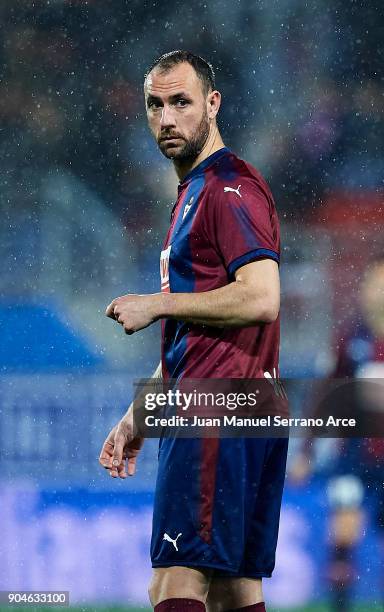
[(135, 312)]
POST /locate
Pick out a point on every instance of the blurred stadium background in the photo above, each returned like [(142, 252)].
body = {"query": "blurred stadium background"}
[(85, 199)]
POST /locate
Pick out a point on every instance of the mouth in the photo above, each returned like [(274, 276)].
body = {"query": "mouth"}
[(170, 138)]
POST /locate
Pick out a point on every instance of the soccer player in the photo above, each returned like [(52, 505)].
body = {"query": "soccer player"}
[(217, 501), (357, 464)]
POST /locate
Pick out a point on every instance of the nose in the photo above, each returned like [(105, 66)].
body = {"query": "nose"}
[(167, 118)]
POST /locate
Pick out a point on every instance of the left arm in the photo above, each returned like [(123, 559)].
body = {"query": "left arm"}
[(254, 297)]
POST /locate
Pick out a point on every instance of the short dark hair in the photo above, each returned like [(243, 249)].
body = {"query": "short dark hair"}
[(202, 68)]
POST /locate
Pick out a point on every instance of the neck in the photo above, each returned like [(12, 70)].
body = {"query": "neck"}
[(214, 143)]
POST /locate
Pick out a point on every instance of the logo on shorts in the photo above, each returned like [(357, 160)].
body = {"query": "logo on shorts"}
[(168, 538)]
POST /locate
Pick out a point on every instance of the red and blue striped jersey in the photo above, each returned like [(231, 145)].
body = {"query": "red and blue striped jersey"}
[(224, 218)]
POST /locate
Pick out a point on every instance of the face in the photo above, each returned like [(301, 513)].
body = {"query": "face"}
[(178, 111)]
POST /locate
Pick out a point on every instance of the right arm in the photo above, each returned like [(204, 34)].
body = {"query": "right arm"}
[(121, 445)]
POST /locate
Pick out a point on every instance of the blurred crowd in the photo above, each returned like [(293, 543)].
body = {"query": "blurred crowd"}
[(301, 85)]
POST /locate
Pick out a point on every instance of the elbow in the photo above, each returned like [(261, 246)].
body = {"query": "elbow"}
[(270, 315), (268, 312)]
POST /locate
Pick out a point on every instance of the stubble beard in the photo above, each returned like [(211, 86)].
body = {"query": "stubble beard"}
[(192, 147)]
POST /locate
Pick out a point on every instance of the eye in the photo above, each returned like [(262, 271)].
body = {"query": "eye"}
[(181, 103), (153, 104)]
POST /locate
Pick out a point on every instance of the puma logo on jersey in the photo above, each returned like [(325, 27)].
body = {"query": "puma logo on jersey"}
[(168, 538), (235, 190)]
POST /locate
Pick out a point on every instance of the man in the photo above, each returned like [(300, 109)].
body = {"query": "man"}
[(217, 502), (356, 470)]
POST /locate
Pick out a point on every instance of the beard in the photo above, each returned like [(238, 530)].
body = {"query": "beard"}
[(191, 148)]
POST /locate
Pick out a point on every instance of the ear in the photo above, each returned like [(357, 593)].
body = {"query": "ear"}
[(213, 104)]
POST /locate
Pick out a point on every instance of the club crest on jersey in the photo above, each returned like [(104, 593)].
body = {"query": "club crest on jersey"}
[(164, 269), (187, 207)]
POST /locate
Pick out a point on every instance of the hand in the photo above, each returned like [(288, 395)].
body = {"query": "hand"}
[(134, 312), (119, 446)]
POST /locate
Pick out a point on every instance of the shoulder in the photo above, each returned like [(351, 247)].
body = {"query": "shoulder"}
[(232, 177)]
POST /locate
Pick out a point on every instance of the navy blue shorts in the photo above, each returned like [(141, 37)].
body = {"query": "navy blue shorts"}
[(217, 504)]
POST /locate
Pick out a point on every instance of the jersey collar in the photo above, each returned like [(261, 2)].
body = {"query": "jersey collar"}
[(204, 164)]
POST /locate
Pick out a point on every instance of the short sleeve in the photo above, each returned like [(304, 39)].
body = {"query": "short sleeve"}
[(242, 224)]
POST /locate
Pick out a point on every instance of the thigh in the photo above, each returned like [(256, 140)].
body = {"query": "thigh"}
[(170, 582), (217, 505), (181, 515), (232, 593), (263, 515), (198, 518)]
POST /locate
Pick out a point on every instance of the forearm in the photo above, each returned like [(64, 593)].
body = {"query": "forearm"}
[(234, 305), (253, 298)]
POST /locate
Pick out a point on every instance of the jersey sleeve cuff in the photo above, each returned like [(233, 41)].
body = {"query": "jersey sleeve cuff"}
[(251, 256)]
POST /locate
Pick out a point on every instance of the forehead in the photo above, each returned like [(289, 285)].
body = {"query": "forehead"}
[(181, 77)]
